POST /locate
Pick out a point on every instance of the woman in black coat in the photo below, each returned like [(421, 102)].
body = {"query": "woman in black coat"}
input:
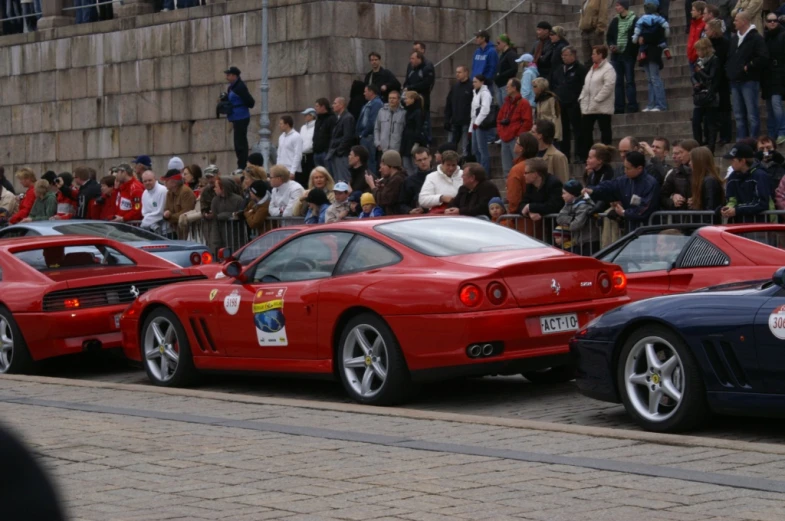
[(412, 130), (721, 47), (559, 43), (773, 84), (706, 98)]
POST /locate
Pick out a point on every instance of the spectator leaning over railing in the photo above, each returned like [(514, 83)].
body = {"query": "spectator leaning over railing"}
[(285, 194), (27, 179), (369, 207), (771, 160), (104, 207), (475, 194), (598, 165), (341, 208), (408, 201), (89, 190), (747, 188), (545, 131), (66, 196), (677, 187), (141, 165), (250, 174), (129, 194), (226, 229), (634, 197), (708, 188), (180, 199), (153, 204), (514, 118), (258, 209), (320, 179), (45, 205), (543, 196), (441, 187), (577, 230), (526, 148), (387, 189), (192, 177), (496, 209), (317, 207)]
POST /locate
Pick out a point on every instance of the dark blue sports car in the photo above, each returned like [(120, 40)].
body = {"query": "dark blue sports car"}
[(673, 361)]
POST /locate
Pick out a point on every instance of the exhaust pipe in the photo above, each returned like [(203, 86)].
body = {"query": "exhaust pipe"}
[(475, 351), (487, 350), (92, 346)]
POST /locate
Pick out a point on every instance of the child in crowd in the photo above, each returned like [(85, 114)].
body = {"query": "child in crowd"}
[(647, 25), (317, 206), (576, 231), (369, 207), (496, 209)]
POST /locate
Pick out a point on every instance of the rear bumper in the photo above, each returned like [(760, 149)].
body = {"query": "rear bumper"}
[(67, 332), (595, 373), (437, 344)]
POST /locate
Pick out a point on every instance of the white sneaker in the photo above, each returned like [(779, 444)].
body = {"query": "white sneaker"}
[(647, 109), (655, 110)]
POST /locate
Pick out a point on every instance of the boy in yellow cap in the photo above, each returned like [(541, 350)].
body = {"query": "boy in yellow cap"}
[(369, 207)]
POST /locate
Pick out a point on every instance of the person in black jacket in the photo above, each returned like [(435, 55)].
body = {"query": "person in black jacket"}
[(506, 70), (475, 194), (341, 142), (409, 201), (542, 50), (8, 185), (381, 77), (458, 110), (322, 131), (89, 189), (773, 84), (746, 61), (721, 46), (708, 191), (420, 77), (543, 191), (240, 116), (624, 54), (413, 129), (567, 84), (559, 42), (706, 84)]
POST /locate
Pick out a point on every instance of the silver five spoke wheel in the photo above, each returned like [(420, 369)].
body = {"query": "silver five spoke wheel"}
[(161, 349), (365, 360), (654, 378), (6, 345)]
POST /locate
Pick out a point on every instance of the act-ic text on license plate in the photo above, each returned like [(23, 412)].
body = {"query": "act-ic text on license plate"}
[(559, 323)]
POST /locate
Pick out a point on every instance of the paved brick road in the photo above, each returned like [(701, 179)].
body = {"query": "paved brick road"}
[(502, 397), (144, 455)]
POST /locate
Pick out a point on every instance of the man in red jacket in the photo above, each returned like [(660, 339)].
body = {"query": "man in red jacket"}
[(514, 118), (129, 196), (27, 179)]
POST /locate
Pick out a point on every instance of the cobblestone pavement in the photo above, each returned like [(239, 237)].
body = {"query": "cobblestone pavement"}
[(145, 454), (500, 397)]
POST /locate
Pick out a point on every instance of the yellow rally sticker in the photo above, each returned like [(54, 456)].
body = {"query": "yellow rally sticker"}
[(261, 307), (213, 293)]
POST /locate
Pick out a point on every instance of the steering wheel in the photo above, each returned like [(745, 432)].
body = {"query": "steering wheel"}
[(299, 264)]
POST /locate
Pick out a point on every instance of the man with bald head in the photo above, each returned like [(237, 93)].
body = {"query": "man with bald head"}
[(153, 202), (341, 142), (748, 56)]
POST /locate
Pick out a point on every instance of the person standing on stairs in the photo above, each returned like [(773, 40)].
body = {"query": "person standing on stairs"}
[(773, 85), (567, 85), (593, 24), (747, 58), (721, 45), (596, 101), (623, 55)]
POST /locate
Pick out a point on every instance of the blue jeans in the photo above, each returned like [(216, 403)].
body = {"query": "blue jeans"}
[(88, 13), (480, 149), (369, 145), (656, 88), (745, 97), (508, 156), (776, 119), (320, 159), (625, 83), (459, 136)]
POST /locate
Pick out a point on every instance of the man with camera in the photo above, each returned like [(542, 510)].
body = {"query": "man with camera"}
[(236, 103), (514, 118)]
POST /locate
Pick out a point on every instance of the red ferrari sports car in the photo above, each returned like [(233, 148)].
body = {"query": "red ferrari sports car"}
[(379, 304), (64, 294), (661, 260)]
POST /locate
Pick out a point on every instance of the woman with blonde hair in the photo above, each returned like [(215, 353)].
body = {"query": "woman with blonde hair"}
[(706, 97), (320, 179), (27, 179), (547, 105), (708, 187)]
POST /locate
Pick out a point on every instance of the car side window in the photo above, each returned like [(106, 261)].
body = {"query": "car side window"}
[(652, 252), (366, 254), (262, 245), (309, 257), (12, 233)]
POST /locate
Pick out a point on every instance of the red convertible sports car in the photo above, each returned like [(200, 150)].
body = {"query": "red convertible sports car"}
[(64, 294), (379, 304), (662, 260)]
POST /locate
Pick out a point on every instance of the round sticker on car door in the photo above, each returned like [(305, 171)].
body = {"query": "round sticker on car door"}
[(232, 302), (777, 322), (268, 317)]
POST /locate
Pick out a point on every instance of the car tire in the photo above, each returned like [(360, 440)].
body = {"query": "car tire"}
[(166, 353), (370, 363), (674, 400), (552, 375), (15, 356)]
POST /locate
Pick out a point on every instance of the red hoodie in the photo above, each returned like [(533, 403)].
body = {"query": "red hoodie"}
[(25, 205), (697, 25), (518, 113)]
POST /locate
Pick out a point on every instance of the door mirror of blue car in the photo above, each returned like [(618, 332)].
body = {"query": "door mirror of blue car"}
[(779, 278)]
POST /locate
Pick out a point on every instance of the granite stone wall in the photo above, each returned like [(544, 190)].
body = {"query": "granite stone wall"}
[(99, 94)]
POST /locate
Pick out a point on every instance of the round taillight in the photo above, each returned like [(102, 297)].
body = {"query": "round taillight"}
[(207, 257), (470, 296), (497, 293), (619, 280), (604, 282), (196, 258)]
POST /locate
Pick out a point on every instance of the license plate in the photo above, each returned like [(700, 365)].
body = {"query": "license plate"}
[(558, 323), (117, 320)]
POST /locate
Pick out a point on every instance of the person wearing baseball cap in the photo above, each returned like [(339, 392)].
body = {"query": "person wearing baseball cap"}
[(485, 58), (341, 208), (258, 209), (530, 73), (141, 165), (747, 189), (240, 116), (387, 189), (175, 164), (542, 51)]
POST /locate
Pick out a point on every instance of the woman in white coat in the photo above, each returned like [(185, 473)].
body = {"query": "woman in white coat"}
[(597, 100), (481, 108)]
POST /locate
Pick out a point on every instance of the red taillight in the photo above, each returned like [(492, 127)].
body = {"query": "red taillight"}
[(619, 280), (71, 303), (497, 293), (196, 258), (207, 257), (470, 296), (604, 282)]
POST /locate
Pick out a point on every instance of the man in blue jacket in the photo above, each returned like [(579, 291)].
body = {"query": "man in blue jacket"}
[(747, 189), (242, 102), (485, 59), (367, 123), (634, 196)]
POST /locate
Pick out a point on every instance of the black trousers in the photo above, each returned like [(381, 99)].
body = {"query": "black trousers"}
[(704, 126), (587, 131), (571, 128), (307, 165), (240, 129)]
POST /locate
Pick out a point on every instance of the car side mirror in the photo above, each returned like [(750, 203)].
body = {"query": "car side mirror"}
[(225, 254), (234, 270), (779, 278)]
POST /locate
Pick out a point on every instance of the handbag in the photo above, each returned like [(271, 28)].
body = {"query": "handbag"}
[(704, 98), (490, 120)]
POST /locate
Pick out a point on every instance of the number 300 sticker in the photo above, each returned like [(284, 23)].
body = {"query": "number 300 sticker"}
[(777, 322)]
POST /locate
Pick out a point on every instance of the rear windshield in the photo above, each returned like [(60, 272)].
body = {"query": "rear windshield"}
[(56, 258), (448, 236), (119, 232)]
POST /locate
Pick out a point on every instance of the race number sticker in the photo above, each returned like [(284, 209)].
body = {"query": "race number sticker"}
[(268, 317), (232, 302), (777, 322)]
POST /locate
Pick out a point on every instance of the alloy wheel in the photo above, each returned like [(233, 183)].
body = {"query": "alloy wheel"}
[(6, 345), (654, 378), (365, 360), (161, 349)]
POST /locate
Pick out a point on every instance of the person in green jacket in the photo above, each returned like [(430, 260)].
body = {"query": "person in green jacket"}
[(45, 206)]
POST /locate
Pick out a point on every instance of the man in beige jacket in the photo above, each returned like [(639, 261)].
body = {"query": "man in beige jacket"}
[(558, 165), (593, 23)]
